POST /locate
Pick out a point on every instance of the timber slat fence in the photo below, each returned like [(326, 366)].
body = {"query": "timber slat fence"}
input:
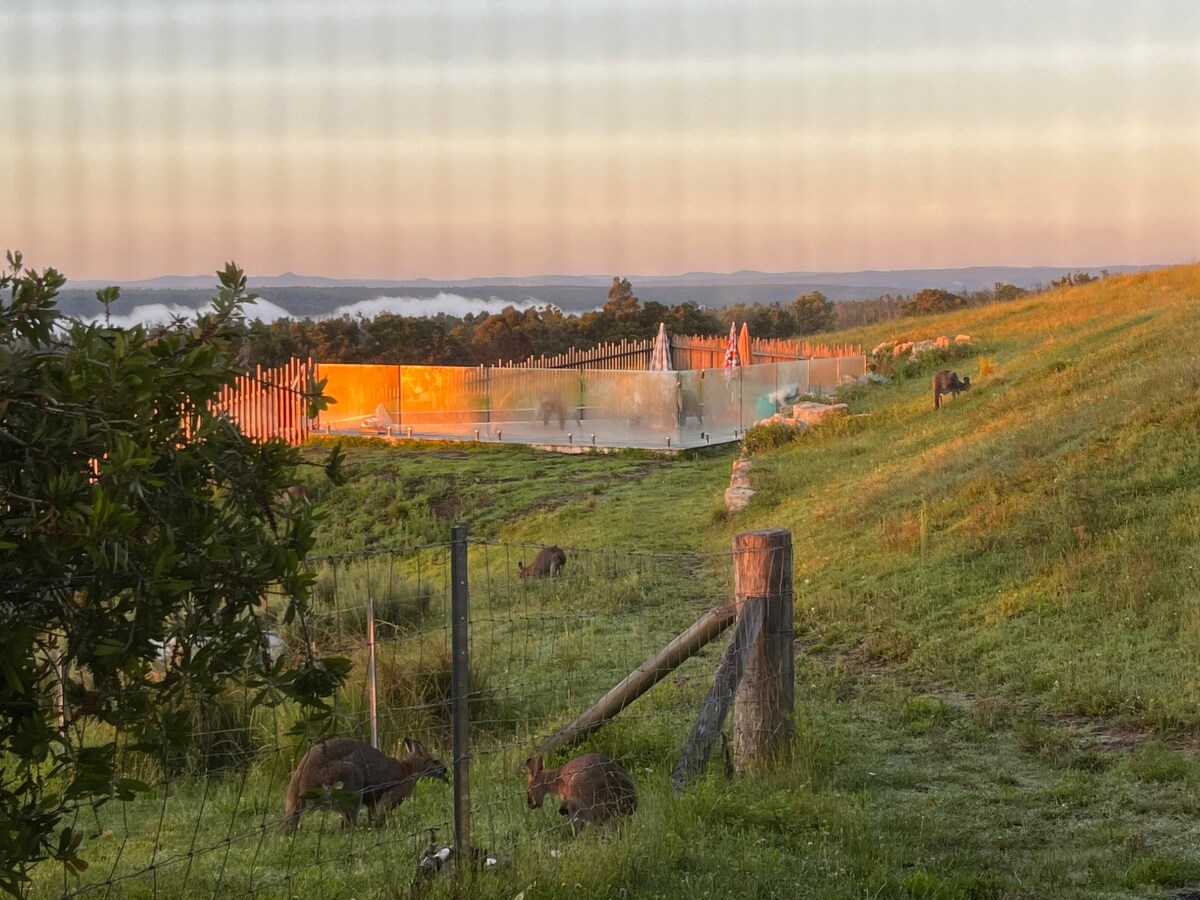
[(269, 403), (687, 352)]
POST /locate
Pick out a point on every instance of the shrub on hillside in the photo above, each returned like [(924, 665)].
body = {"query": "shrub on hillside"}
[(768, 436), (925, 364)]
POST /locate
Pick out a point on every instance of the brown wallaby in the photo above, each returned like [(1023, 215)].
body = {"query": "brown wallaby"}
[(371, 777), (553, 408), (947, 382), (549, 561), (593, 788)]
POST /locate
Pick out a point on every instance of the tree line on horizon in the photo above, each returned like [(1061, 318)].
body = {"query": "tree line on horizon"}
[(516, 334)]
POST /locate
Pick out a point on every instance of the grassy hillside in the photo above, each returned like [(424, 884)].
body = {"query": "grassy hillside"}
[(998, 614), (1040, 537)]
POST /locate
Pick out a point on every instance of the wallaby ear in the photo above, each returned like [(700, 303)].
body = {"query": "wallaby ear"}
[(412, 746)]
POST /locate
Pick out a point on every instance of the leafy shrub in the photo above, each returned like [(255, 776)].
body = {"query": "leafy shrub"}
[(768, 436)]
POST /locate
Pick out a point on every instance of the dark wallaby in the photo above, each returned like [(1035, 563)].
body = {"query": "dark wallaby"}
[(371, 777), (593, 788), (553, 408), (947, 382), (549, 561)]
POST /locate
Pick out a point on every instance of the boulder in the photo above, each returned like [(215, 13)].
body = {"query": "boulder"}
[(737, 499), (809, 413), (739, 492)]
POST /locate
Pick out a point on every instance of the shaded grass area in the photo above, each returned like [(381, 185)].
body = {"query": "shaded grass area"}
[(998, 606)]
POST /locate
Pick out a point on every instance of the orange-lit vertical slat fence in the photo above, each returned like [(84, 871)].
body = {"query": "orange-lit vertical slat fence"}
[(269, 403)]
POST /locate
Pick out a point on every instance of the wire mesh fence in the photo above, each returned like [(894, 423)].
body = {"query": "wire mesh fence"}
[(540, 650)]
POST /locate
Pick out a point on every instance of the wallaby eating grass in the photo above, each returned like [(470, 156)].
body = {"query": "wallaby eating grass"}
[(592, 788), (947, 382), (365, 775), (549, 561)]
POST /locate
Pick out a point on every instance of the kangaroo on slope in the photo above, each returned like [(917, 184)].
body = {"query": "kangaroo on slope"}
[(947, 382), (549, 561), (593, 788), (373, 778)]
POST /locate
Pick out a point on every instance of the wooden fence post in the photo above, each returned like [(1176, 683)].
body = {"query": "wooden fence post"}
[(766, 697)]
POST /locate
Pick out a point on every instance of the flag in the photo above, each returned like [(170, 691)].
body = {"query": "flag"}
[(733, 359)]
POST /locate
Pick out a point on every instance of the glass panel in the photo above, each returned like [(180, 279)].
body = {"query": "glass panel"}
[(823, 375), (443, 401), (760, 393), (855, 366), (708, 406), (359, 392), (536, 406), (605, 408), (630, 409), (793, 380)]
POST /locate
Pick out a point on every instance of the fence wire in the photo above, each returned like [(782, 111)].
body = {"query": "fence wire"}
[(541, 650)]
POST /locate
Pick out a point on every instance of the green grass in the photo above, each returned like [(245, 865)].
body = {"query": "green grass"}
[(997, 605)]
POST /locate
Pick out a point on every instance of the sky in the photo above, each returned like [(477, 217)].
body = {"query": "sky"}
[(462, 138)]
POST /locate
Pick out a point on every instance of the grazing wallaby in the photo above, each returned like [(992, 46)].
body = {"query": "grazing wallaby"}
[(593, 788), (371, 777), (947, 382), (549, 561), (689, 406), (553, 408)]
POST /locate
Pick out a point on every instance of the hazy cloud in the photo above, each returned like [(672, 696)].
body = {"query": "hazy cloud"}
[(163, 313), (450, 304)]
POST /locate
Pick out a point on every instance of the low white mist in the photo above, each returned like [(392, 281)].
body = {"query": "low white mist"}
[(268, 312), (450, 304)]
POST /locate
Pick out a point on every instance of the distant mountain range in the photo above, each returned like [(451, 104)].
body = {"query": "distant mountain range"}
[(969, 278), (309, 295)]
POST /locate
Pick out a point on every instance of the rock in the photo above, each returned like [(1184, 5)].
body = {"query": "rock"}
[(739, 492), (809, 413), (737, 499)]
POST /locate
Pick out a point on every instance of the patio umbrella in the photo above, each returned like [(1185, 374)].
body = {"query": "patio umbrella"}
[(660, 353), (733, 360), (744, 345)]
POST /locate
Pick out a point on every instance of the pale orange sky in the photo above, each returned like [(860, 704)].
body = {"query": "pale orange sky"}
[(458, 139)]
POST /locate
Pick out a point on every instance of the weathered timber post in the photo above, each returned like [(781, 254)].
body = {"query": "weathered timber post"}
[(766, 697)]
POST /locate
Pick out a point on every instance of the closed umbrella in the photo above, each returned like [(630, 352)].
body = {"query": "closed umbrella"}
[(660, 353), (744, 345), (733, 360)]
